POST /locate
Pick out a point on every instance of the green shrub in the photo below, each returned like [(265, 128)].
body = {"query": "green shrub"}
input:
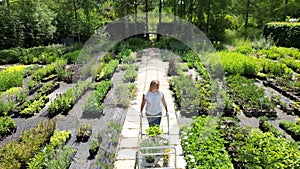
[(203, 146), (264, 150), (10, 79), (10, 56), (71, 57), (284, 34), (236, 63)]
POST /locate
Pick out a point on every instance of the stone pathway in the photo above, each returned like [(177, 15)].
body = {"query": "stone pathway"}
[(151, 68)]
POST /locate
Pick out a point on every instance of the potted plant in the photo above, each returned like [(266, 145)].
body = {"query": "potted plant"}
[(154, 131), (84, 132), (154, 141), (93, 148)]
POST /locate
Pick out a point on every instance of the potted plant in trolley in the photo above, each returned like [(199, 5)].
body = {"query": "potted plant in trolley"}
[(93, 148), (151, 144), (84, 132)]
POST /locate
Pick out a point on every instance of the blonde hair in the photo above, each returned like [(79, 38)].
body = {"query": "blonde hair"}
[(153, 84)]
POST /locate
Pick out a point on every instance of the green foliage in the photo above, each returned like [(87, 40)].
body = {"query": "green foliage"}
[(6, 125), (269, 54), (154, 131), (65, 101), (61, 158), (124, 93), (85, 130), (132, 43), (108, 139), (35, 107), (129, 59), (236, 63), (52, 151), (283, 33), (94, 144), (10, 56), (203, 146), (264, 150), (124, 53), (186, 92), (248, 95), (59, 138), (94, 106), (11, 97), (71, 57), (291, 127), (10, 79), (108, 70), (275, 68), (130, 74), (266, 126), (17, 153)]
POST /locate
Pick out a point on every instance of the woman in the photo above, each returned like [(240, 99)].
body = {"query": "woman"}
[(153, 99)]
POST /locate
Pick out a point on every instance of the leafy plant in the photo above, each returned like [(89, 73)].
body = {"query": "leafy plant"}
[(108, 139), (84, 132), (20, 151), (130, 74), (93, 107), (59, 138), (154, 131), (203, 146), (264, 150), (93, 147), (7, 124)]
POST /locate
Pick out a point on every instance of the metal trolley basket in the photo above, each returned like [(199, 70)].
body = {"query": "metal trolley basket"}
[(153, 155)]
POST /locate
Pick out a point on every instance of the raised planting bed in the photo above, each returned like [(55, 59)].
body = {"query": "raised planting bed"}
[(203, 145), (250, 98), (252, 148), (291, 128), (284, 90), (93, 107), (66, 101), (265, 126)]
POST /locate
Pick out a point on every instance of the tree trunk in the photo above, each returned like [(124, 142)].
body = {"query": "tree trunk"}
[(159, 20), (135, 10), (147, 8), (126, 22), (208, 17), (8, 7), (181, 13), (190, 11), (247, 14), (286, 2), (76, 18), (174, 10)]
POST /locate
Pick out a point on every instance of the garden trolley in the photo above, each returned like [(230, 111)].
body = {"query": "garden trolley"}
[(155, 152)]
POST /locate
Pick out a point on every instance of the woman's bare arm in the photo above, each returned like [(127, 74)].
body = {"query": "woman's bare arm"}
[(164, 103), (143, 103)]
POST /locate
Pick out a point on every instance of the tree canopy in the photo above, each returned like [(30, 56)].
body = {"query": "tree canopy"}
[(28, 23)]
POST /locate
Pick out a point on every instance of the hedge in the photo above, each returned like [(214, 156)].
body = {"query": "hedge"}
[(283, 33)]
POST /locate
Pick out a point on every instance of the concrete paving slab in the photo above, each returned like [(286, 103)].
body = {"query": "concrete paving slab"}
[(126, 154), (130, 132), (129, 143), (124, 164)]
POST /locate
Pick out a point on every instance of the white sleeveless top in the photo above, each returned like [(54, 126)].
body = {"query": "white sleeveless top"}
[(153, 105)]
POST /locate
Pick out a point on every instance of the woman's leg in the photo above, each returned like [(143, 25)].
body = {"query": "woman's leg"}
[(154, 120)]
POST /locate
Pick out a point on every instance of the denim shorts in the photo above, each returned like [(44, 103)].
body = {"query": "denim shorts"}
[(152, 121)]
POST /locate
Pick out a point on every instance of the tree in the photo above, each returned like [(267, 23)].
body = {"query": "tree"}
[(37, 21)]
